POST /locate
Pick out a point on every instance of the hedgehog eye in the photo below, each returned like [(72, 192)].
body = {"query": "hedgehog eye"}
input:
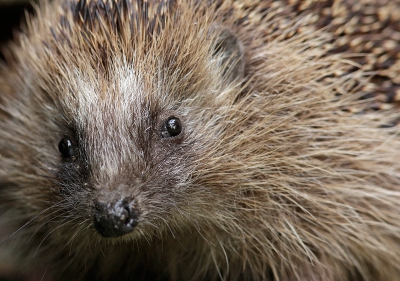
[(172, 127), (66, 148)]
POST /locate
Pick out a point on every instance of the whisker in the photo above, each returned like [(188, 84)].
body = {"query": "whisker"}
[(82, 226), (30, 220), (50, 220), (62, 224)]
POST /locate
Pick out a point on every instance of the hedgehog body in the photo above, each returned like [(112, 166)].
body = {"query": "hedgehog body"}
[(182, 140)]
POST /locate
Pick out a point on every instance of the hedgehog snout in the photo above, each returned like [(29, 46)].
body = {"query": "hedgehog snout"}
[(114, 219)]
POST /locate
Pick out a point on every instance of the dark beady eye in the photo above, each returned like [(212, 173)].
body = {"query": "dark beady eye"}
[(66, 147), (172, 127)]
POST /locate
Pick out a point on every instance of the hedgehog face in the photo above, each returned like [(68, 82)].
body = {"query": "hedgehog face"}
[(129, 130), (129, 151), (141, 164)]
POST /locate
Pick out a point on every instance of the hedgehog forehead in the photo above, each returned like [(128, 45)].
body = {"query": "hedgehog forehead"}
[(123, 98), (113, 120)]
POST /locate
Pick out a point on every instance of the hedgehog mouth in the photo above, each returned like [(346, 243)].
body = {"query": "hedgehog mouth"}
[(115, 219)]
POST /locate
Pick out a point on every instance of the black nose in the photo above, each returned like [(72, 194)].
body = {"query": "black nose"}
[(115, 219)]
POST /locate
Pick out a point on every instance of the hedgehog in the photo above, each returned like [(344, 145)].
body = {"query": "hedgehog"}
[(202, 140)]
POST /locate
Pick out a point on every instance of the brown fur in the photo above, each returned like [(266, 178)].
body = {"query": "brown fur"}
[(281, 172)]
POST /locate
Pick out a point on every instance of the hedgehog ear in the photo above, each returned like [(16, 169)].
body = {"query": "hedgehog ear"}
[(229, 51)]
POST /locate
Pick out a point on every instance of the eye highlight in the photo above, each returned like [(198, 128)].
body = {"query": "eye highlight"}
[(172, 128), (66, 147)]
